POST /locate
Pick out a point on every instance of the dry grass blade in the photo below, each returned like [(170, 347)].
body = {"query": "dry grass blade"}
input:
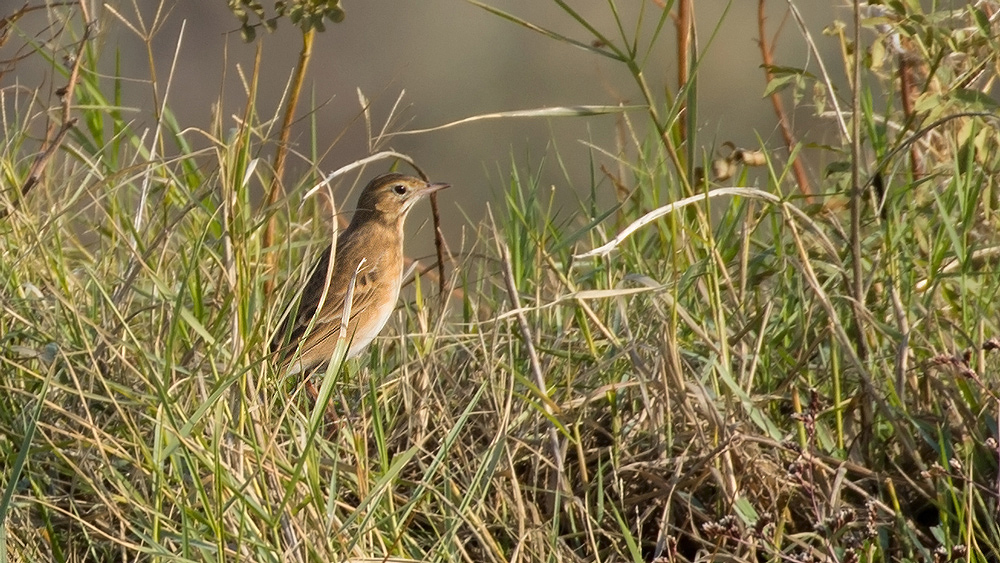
[(549, 33), (671, 207), (382, 155), (565, 111)]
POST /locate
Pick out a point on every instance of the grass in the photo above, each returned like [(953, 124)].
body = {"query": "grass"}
[(717, 386)]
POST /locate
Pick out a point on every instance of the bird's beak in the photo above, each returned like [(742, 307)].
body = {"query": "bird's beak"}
[(431, 188)]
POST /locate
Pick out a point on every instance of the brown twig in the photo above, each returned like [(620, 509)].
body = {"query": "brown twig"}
[(767, 57), (281, 152), (54, 141), (7, 21), (907, 91), (438, 242), (438, 234)]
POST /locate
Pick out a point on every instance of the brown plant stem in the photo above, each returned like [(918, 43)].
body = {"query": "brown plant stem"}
[(438, 243), (55, 136), (857, 289), (767, 57), (907, 91), (858, 285), (438, 234), (7, 22), (281, 152)]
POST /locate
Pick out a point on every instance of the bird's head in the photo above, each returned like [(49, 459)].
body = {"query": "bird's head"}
[(390, 197)]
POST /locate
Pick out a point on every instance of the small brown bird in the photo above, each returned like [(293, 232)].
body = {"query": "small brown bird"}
[(374, 240)]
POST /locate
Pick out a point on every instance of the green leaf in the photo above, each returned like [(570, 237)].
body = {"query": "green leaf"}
[(196, 325), (778, 84), (975, 100)]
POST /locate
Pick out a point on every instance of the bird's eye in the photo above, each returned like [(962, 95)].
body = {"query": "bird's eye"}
[(400, 189)]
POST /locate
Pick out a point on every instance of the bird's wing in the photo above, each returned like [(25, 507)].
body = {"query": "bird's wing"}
[(325, 328)]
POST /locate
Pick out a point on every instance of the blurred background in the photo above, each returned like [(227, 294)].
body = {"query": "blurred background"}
[(454, 60)]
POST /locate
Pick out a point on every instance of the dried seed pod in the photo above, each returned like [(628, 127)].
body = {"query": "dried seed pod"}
[(723, 169), (750, 158)]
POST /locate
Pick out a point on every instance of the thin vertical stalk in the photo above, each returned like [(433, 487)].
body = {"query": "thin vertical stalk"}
[(767, 57), (281, 152), (858, 286), (907, 92), (536, 367), (684, 32)]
